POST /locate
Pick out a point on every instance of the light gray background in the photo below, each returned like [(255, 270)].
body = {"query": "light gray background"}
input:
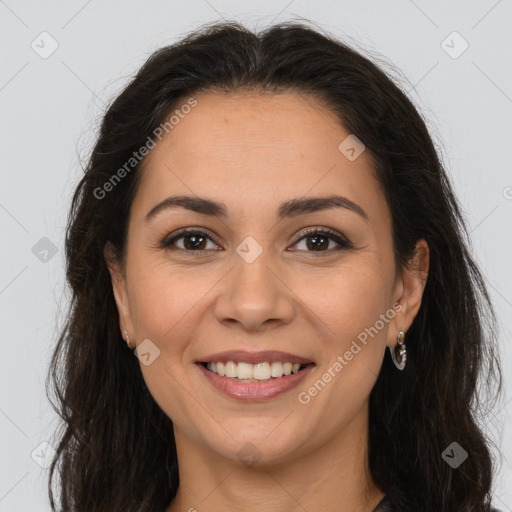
[(49, 114)]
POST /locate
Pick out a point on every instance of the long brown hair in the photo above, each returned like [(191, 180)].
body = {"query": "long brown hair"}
[(116, 449)]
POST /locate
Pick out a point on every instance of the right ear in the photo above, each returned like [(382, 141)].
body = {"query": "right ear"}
[(119, 287)]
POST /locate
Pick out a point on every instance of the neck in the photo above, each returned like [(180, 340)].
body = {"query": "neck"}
[(334, 476)]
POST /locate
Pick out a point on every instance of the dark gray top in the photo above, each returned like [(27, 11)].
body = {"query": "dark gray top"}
[(385, 506)]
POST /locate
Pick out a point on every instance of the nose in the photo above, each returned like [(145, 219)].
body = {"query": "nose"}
[(255, 296)]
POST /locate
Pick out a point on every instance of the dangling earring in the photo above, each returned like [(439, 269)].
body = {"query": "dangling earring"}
[(127, 339), (399, 353)]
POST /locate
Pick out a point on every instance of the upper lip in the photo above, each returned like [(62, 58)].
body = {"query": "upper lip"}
[(242, 356)]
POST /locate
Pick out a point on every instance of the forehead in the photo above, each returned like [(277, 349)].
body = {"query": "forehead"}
[(248, 144), (235, 125)]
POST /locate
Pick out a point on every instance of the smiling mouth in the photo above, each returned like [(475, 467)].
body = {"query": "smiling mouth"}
[(260, 372)]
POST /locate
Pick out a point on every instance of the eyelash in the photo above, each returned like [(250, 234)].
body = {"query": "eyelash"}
[(343, 242)]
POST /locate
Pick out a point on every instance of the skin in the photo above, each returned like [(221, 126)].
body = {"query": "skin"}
[(253, 152)]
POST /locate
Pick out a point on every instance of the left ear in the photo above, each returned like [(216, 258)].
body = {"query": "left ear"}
[(119, 288), (408, 291)]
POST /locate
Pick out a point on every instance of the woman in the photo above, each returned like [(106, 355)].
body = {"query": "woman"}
[(261, 217)]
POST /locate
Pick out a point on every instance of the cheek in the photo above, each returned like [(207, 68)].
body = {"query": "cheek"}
[(353, 350), (158, 301), (350, 306), (346, 301), (166, 306), (353, 304)]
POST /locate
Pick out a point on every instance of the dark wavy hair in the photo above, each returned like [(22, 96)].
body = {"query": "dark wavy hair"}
[(116, 448)]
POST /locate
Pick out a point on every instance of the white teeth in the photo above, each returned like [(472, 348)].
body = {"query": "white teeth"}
[(261, 371), (245, 371), (250, 372), (231, 370), (221, 369), (276, 369)]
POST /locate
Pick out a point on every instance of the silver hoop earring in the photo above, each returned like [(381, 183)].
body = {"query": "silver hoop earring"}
[(399, 353)]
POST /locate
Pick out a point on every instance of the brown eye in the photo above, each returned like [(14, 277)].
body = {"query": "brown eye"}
[(193, 241), (319, 241)]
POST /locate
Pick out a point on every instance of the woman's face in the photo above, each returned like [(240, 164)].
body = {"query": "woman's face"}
[(254, 281)]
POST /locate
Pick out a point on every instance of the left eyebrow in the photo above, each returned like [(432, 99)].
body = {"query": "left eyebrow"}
[(290, 208), (295, 207)]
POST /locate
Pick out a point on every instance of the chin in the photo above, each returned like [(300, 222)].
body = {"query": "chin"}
[(257, 444)]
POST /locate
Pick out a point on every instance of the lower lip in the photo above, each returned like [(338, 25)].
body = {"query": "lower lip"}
[(255, 391)]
